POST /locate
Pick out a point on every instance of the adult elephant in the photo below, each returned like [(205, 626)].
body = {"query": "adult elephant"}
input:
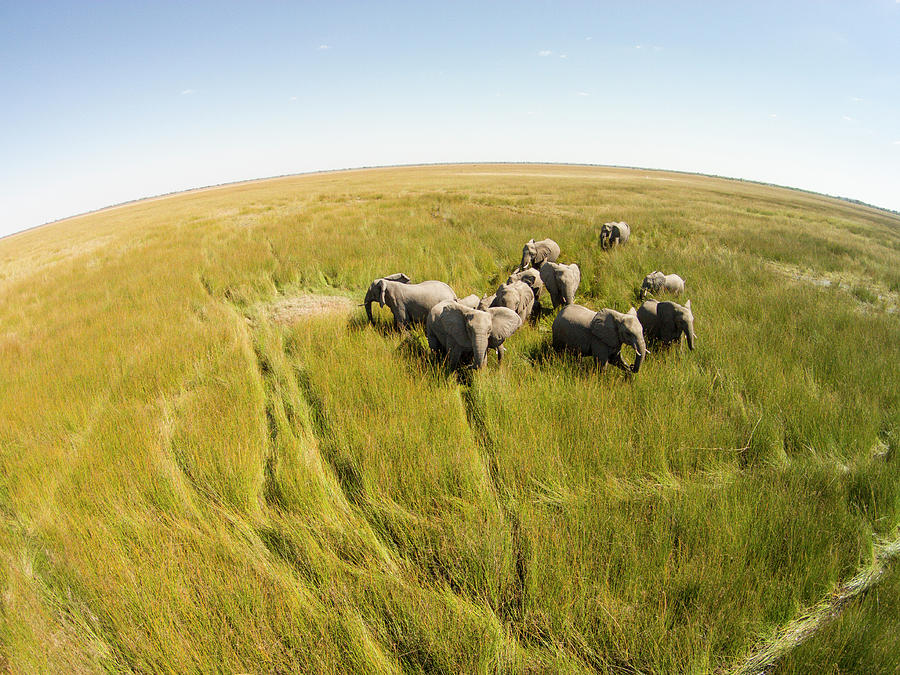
[(464, 334), (561, 282), (517, 296), (409, 303), (666, 322), (536, 253), (614, 234), (656, 282), (599, 334)]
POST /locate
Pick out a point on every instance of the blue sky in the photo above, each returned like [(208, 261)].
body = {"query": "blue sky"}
[(104, 102)]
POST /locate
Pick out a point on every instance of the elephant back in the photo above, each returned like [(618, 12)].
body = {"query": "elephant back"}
[(647, 315)]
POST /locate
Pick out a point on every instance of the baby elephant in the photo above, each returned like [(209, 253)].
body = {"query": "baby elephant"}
[(465, 334), (561, 282), (599, 334), (532, 277), (470, 301), (536, 253), (517, 296), (409, 303), (614, 234), (656, 282), (665, 322)]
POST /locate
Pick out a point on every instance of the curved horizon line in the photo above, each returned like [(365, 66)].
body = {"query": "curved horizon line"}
[(215, 186)]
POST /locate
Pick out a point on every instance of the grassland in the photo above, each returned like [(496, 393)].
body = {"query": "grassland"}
[(188, 486)]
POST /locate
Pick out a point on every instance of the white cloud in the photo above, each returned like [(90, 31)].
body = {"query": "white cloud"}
[(639, 46), (187, 92), (897, 142), (583, 93), (773, 115), (545, 52), (857, 99), (590, 38), (323, 47), (847, 118), (293, 98), (563, 56), (657, 48)]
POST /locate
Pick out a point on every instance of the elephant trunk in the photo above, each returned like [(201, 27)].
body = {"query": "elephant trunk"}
[(479, 348), (370, 298), (640, 349), (690, 339)]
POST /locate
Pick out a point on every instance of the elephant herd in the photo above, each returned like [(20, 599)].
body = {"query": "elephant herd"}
[(463, 330)]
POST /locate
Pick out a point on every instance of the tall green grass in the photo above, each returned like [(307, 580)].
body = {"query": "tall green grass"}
[(188, 486)]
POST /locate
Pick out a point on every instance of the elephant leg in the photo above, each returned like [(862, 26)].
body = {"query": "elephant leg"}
[(601, 355), (616, 360), (400, 318), (436, 345), (501, 350), (455, 356)]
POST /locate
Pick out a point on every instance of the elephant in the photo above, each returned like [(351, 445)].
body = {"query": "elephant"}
[(536, 253), (532, 277), (465, 334), (657, 281), (470, 301), (665, 322), (517, 296), (486, 301), (561, 282), (408, 302), (599, 334), (614, 234)]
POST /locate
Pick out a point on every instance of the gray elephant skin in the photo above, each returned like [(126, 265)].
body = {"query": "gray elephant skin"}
[(470, 301), (464, 334), (561, 282), (665, 322), (486, 301), (517, 296), (657, 282), (409, 303), (614, 234), (599, 334), (532, 277), (536, 253)]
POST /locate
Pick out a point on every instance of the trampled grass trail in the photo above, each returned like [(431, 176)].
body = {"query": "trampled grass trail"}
[(199, 473)]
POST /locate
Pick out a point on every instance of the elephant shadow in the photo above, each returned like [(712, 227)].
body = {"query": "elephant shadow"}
[(419, 358), (414, 349), (544, 355), (541, 354)]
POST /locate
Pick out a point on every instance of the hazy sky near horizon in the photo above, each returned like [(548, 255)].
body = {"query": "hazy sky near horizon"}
[(105, 102)]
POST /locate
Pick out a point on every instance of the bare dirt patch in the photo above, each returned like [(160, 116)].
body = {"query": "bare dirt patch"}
[(295, 308), (867, 292)]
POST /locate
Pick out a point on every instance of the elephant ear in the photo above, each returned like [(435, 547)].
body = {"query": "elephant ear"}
[(398, 276), (504, 322), (604, 327)]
